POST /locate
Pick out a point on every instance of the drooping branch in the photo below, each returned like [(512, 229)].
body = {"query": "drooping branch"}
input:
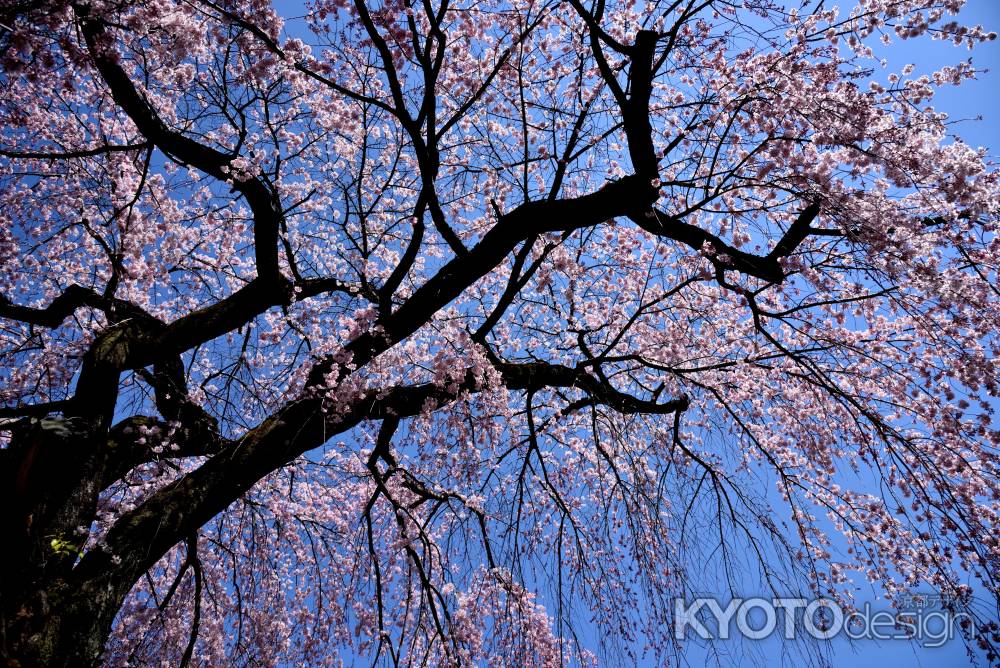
[(642, 334), (302, 425), (141, 536)]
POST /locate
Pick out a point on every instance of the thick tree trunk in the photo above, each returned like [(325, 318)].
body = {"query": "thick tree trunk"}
[(63, 626), (51, 477)]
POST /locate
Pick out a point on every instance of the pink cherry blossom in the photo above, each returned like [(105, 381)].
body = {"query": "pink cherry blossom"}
[(476, 333)]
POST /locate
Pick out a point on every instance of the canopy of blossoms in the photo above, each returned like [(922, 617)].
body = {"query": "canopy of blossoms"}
[(474, 332)]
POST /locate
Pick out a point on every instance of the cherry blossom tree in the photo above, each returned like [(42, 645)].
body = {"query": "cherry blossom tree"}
[(451, 333)]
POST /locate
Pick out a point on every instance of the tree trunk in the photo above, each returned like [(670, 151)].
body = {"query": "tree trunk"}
[(51, 477), (62, 626)]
